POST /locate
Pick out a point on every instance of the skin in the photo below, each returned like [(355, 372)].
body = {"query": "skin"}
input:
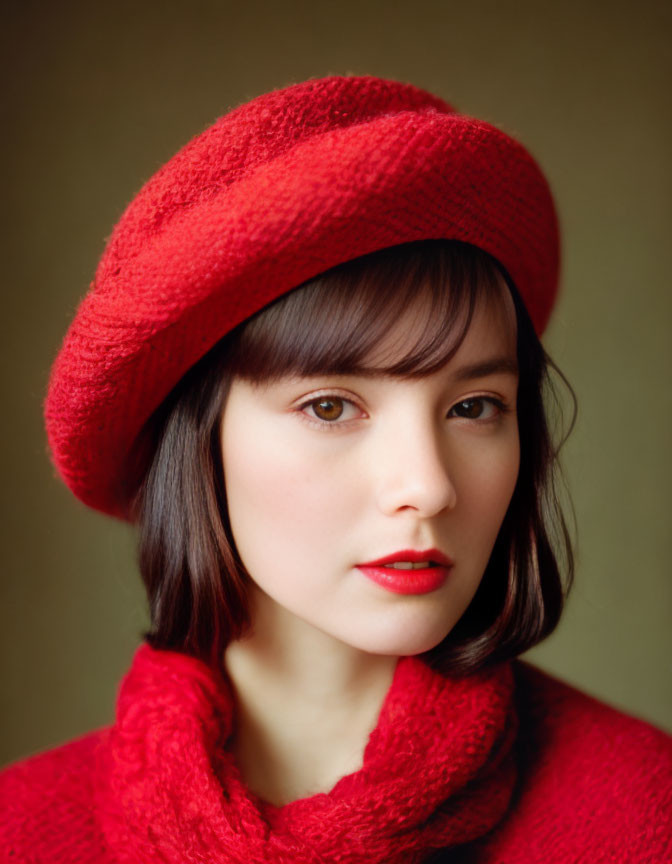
[(404, 463)]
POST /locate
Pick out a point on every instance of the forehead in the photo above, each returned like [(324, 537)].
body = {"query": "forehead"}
[(403, 312), (491, 329)]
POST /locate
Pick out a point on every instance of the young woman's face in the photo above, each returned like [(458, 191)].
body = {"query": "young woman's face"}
[(325, 474)]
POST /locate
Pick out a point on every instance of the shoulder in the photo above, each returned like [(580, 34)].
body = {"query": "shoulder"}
[(595, 783), (47, 810), (557, 718)]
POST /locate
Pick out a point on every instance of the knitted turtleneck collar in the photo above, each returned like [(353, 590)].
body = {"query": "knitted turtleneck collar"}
[(438, 771)]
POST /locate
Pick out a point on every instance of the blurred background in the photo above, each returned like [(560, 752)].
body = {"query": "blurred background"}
[(95, 97)]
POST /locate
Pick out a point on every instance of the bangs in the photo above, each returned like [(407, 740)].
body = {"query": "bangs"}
[(347, 320)]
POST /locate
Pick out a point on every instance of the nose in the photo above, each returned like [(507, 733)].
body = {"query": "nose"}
[(414, 473)]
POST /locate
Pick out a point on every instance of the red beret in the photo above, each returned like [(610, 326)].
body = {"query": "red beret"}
[(274, 193)]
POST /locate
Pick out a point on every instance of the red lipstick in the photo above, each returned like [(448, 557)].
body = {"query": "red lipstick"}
[(406, 577)]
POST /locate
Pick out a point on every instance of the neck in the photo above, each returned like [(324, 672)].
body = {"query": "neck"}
[(306, 703)]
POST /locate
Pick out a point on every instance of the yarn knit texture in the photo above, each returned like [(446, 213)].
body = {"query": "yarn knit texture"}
[(276, 192), (507, 765)]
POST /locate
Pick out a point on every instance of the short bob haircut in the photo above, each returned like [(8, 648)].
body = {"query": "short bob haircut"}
[(195, 580)]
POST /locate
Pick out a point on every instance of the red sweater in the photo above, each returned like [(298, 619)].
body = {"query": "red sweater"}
[(592, 785)]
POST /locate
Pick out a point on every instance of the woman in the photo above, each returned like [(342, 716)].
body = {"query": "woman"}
[(309, 370)]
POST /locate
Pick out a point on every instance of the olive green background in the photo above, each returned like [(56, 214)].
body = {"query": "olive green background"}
[(97, 96)]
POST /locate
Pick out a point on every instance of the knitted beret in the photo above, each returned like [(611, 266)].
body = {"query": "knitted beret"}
[(274, 193)]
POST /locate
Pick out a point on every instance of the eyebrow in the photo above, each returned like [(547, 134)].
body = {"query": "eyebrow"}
[(491, 366)]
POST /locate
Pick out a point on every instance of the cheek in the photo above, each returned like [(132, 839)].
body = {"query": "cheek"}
[(500, 481), (294, 500), (487, 485), (259, 490)]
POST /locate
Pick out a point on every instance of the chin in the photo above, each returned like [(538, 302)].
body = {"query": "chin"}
[(407, 643)]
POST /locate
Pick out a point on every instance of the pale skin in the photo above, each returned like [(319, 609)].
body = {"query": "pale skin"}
[(327, 472)]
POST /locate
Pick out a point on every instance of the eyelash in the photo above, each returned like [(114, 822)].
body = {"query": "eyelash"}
[(501, 409), (327, 425)]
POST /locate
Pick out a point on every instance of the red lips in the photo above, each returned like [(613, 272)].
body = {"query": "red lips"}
[(422, 581), (412, 555)]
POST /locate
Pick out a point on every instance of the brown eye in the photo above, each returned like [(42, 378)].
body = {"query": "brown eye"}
[(328, 409), (470, 408), (477, 409)]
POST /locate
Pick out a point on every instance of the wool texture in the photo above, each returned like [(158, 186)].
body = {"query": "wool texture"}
[(275, 193), (507, 765)]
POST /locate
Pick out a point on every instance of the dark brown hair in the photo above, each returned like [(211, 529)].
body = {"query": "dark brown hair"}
[(195, 581)]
